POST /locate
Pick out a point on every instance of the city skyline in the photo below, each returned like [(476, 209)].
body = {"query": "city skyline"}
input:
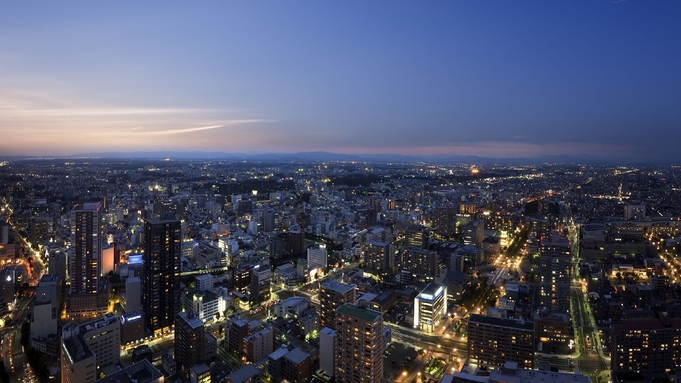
[(496, 80)]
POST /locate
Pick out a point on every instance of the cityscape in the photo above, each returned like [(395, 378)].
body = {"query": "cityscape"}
[(222, 271), (340, 192)]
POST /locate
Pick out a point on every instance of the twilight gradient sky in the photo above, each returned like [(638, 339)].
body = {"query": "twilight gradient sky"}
[(490, 78)]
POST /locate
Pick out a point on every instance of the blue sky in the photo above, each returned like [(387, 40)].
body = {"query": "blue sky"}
[(488, 78)]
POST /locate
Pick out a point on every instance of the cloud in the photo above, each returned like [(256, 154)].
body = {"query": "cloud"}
[(200, 128)]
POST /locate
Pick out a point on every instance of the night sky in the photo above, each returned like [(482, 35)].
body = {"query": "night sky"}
[(497, 79)]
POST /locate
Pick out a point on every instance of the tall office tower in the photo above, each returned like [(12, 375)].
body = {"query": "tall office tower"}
[(160, 284), (88, 348), (646, 346), (495, 341), (419, 261), (316, 256), (377, 256), (4, 233), (445, 220), (85, 249), (333, 294), (416, 236), (190, 342), (359, 345), (430, 307), (474, 233)]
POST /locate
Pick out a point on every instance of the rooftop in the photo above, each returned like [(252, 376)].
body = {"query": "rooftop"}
[(359, 312), (501, 322), (297, 356), (243, 374), (140, 372), (337, 286)]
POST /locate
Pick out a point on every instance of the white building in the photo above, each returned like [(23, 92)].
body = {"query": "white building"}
[(430, 307), (204, 282), (327, 350), (317, 257), (291, 307), (43, 319)]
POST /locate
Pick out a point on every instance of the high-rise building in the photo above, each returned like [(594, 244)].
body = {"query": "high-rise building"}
[(161, 285), (261, 275), (235, 331), (85, 249), (359, 345), (88, 293), (327, 350), (420, 261), (258, 345), (445, 220), (333, 294), (190, 348), (554, 284), (316, 256), (377, 256), (494, 341), (646, 346), (89, 347), (417, 237), (474, 233), (430, 307), (133, 294)]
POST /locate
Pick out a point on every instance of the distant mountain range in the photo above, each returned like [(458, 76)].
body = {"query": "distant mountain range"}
[(330, 156)]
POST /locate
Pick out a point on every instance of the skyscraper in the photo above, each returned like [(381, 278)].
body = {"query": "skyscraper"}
[(84, 253), (359, 345), (161, 285), (88, 294)]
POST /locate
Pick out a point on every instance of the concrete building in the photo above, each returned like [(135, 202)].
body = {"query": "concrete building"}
[(327, 350), (333, 294), (317, 257), (430, 307), (474, 233), (291, 307), (297, 366), (133, 295), (49, 289), (646, 346), (419, 261), (140, 372), (204, 282), (377, 256), (161, 285), (359, 345), (199, 374), (43, 319), (247, 374), (510, 372), (236, 330), (258, 345), (190, 348), (89, 347), (85, 261), (132, 327), (494, 341)]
